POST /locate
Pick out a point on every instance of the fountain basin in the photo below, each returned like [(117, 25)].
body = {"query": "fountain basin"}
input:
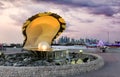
[(53, 70)]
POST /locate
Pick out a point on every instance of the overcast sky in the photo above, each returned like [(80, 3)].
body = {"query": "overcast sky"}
[(84, 18)]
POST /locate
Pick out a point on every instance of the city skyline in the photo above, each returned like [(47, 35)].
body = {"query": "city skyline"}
[(84, 18)]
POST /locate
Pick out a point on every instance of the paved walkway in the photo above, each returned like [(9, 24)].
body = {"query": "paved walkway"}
[(110, 69)]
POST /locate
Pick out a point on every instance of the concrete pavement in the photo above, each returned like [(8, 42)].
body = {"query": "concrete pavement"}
[(110, 69)]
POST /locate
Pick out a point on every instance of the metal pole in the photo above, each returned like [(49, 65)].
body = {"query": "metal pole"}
[(108, 37)]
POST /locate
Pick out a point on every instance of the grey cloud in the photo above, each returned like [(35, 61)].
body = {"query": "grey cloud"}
[(69, 30), (95, 8), (116, 21), (83, 3), (19, 19), (34, 10), (103, 10), (111, 26), (85, 20), (1, 5), (78, 3)]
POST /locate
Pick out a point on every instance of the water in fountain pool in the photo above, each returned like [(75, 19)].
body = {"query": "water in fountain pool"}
[(27, 59)]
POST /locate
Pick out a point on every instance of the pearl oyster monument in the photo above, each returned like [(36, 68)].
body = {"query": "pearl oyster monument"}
[(41, 29)]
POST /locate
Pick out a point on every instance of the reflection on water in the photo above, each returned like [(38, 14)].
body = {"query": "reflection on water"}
[(69, 47)]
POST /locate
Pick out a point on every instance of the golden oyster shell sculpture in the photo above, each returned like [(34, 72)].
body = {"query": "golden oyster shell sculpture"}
[(40, 31)]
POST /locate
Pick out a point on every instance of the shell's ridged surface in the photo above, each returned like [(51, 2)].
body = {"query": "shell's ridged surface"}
[(42, 27)]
